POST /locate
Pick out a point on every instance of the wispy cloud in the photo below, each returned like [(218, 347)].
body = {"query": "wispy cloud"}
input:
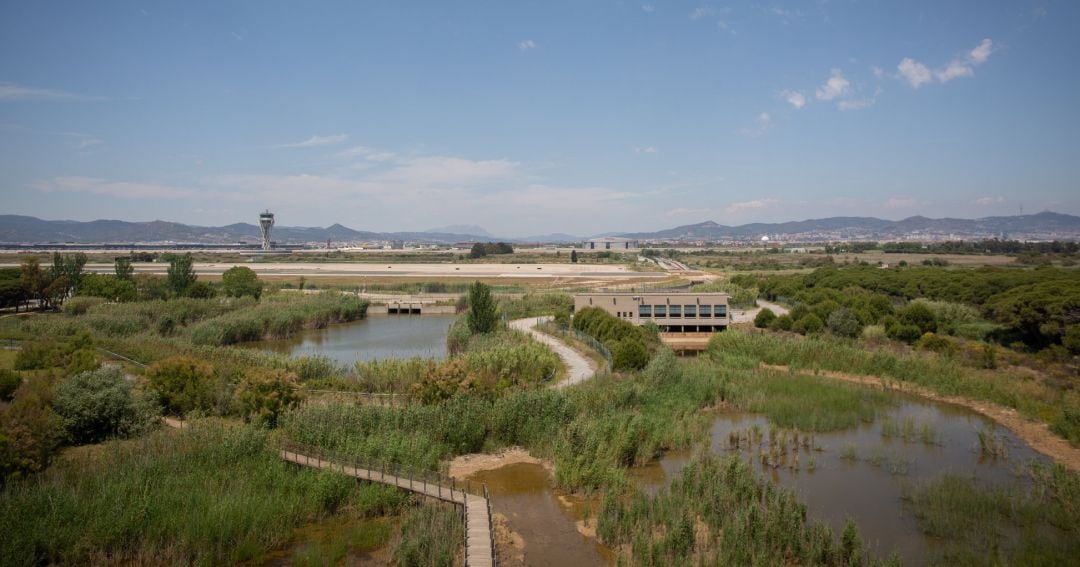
[(794, 98), (856, 104), (526, 45), (755, 204), (14, 92), (835, 86), (700, 12), (122, 189), (986, 201), (918, 74), (317, 141), (648, 8), (644, 150), (682, 212), (764, 122), (900, 202)]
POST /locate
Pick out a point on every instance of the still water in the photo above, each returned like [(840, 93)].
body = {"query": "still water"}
[(374, 337)]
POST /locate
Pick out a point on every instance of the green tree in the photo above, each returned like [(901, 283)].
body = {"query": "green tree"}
[(264, 395), (478, 251), (808, 325), (764, 318), (102, 404), (9, 382), (180, 274), (482, 317), (183, 383), (629, 354), (573, 256), (919, 315), (34, 432), (123, 268), (844, 323), (239, 281)]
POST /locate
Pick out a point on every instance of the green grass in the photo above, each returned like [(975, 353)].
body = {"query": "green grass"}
[(1058, 408), (215, 494)]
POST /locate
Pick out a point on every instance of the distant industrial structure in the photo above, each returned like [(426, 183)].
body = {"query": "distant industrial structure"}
[(266, 224), (610, 243), (673, 312)]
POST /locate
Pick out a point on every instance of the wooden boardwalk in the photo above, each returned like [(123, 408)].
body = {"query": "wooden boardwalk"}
[(479, 536)]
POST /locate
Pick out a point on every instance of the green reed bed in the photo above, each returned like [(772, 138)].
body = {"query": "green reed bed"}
[(717, 511), (430, 537), (279, 318), (1058, 408), (216, 493), (981, 525)]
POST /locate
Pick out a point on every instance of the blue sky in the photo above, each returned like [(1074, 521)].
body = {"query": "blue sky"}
[(538, 117)]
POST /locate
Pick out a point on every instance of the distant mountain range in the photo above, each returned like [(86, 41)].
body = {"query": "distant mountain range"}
[(1047, 225)]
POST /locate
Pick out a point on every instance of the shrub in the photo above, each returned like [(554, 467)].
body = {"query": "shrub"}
[(101, 404), (808, 325), (629, 354), (264, 395), (33, 430), (903, 332), (1071, 340), (9, 381), (239, 281), (844, 323), (182, 383), (36, 355), (782, 323), (80, 305), (920, 315), (764, 318), (935, 343)]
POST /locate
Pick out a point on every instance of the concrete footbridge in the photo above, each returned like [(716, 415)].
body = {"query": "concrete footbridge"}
[(473, 498)]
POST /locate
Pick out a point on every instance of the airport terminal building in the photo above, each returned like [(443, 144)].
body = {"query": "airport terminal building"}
[(673, 312)]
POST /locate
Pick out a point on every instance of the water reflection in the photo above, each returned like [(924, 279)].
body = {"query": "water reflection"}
[(374, 337)]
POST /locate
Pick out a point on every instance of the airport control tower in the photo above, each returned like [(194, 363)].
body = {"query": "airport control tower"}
[(266, 222)]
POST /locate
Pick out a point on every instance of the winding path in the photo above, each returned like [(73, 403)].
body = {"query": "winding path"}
[(578, 367)]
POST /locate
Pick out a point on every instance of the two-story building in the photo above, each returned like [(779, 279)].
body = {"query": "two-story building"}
[(673, 312)]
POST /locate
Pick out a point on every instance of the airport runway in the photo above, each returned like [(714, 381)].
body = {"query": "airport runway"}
[(434, 271)]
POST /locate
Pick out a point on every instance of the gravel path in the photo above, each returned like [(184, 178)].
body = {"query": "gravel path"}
[(579, 368), (748, 315)]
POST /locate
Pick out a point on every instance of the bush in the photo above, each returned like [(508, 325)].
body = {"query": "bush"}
[(33, 430), (920, 315), (37, 355), (935, 343), (905, 333), (808, 325), (182, 383), (782, 323), (629, 354), (844, 323), (9, 382), (764, 318), (102, 404), (1071, 340), (239, 281), (264, 395)]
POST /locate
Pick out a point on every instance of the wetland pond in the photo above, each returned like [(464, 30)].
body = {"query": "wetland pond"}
[(370, 338), (860, 473)]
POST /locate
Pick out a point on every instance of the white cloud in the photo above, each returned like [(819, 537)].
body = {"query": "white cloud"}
[(764, 119), (899, 203), (645, 150), (878, 72), (700, 12), (916, 73), (316, 141), (954, 69), (982, 52), (439, 170), (855, 104), (380, 156), (122, 189), (13, 91), (649, 8), (682, 211), (526, 45), (87, 143), (756, 204), (794, 98), (835, 87), (354, 152), (985, 201)]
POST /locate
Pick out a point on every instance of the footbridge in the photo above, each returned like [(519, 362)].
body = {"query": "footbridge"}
[(474, 499)]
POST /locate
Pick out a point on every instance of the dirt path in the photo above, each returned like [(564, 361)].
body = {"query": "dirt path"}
[(1037, 435), (578, 367), (748, 315)]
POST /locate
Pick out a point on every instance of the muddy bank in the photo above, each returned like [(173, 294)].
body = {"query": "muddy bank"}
[(1037, 435), (468, 465)]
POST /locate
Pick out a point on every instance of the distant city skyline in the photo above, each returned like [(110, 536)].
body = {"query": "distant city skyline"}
[(571, 117)]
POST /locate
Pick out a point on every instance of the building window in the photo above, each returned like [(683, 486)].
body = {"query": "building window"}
[(660, 310), (644, 310), (705, 311), (676, 311), (690, 310), (721, 310)]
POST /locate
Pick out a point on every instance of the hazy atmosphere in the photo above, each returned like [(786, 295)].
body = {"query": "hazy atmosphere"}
[(538, 117)]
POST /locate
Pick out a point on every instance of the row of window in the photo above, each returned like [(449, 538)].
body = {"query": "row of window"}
[(681, 311)]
